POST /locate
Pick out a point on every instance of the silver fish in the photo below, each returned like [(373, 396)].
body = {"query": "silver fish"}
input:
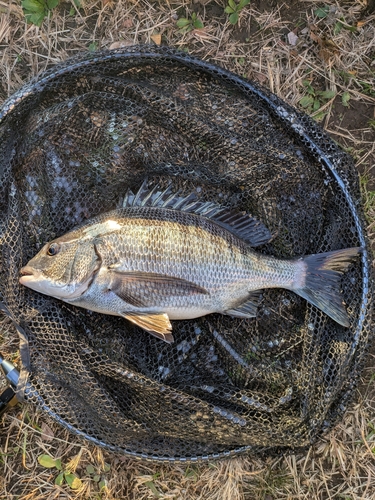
[(163, 257)]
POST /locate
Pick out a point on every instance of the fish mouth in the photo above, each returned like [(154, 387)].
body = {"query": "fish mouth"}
[(27, 271), (27, 274)]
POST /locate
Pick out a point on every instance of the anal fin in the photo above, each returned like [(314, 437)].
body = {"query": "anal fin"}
[(247, 309), (156, 324)]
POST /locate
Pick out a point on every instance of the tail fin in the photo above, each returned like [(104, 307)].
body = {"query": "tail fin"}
[(322, 282)]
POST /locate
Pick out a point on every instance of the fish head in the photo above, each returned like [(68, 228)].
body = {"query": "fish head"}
[(64, 268)]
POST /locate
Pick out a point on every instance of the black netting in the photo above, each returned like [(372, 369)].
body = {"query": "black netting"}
[(72, 143)]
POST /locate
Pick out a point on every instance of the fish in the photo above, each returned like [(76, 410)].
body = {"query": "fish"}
[(162, 257)]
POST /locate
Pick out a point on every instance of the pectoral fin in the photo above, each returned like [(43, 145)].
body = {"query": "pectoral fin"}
[(142, 289), (157, 324)]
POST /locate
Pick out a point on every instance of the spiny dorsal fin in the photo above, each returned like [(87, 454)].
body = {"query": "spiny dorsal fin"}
[(240, 224)]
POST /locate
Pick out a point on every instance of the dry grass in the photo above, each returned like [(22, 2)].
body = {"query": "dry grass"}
[(342, 465)]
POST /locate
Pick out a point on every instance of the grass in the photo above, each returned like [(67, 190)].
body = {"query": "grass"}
[(368, 195), (333, 52)]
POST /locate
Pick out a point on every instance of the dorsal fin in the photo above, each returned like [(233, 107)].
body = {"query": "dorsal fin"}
[(240, 224)]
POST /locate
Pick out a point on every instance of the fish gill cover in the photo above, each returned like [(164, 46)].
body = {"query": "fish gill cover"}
[(72, 144)]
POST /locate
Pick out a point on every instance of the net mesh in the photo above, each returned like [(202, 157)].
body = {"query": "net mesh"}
[(72, 143)]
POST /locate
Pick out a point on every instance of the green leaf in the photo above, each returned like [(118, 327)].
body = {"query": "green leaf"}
[(33, 5), (72, 12), (191, 473), (242, 4), (102, 484), (73, 481), (90, 469), (96, 478), (152, 487), (322, 12), (345, 99), (106, 467), (232, 4), (233, 18), (326, 94), (47, 461), (228, 10), (92, 47), (58, 464), (36, 18), (319, 116), (182, 22), (77, 3), (316, 105), (198, 24), (338, 27), (352, 29), (60, 479), (52, 4), (308, 87), (306, 101)]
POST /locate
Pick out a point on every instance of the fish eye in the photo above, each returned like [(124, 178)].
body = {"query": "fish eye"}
[(53, 249)]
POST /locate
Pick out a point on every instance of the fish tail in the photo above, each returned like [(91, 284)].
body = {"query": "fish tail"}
[(321, 286)]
